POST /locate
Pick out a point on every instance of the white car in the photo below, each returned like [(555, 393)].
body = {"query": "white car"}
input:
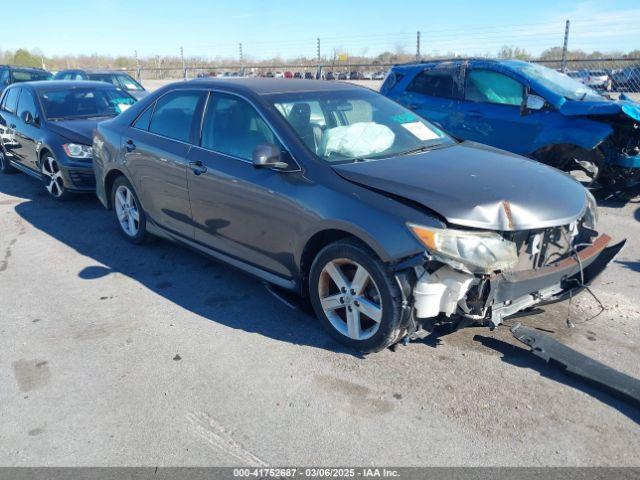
[(598, 79)]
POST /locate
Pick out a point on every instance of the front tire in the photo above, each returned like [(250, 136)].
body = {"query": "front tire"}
[(5, 166), (52, 178), (129, 214), (356, 296)]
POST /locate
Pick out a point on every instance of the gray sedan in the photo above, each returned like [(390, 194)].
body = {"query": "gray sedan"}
[(342, 196)]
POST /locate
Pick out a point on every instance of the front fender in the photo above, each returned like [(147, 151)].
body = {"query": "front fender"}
[(581, 132)]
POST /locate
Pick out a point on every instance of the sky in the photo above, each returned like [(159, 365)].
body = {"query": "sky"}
[(287, 28)]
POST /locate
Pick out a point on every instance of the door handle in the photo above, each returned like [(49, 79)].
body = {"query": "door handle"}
[(130, 146), (413, 106), (474, 114), (197, 167)]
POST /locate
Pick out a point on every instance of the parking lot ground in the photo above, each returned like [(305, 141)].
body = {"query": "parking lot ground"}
[(114, 354)]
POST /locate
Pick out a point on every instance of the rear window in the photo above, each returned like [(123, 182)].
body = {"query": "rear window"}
[(28, 76), (174, 114), (435, 82)]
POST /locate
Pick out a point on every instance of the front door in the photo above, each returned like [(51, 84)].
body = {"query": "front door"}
[(238, 209), (26, 134), (492, 112)]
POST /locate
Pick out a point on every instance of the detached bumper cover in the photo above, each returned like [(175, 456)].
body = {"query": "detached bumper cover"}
[(510, 286)]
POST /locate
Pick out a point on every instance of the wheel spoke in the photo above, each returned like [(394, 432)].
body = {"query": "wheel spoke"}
[(370, 309), (360, 280), (132, 225), (128, 196), (134, 213), (353, 324), (331, 303), (336, 275), (120, 197)]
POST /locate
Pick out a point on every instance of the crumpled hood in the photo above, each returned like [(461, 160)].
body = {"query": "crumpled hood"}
[(77, 131), (474, 185), (603, 107)]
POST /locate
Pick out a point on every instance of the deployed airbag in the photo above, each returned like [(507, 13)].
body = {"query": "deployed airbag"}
[(357, 140)]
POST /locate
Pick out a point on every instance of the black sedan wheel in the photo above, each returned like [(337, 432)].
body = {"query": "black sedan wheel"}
[(52, 178), (5, 166), (356, 296)]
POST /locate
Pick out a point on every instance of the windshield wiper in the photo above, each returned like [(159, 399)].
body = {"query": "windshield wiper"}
[(423, 148), (582, 97)]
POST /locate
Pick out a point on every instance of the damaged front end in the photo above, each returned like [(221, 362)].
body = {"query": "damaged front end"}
[(621, 151), (500, 274)]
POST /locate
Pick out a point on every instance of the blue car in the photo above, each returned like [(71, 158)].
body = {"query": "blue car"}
[(527, 109)]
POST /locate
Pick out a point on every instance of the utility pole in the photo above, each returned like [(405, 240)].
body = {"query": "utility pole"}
[(418, 46), (319, 71), (241, 63), (184, 68), (135, 53), (563, 65)]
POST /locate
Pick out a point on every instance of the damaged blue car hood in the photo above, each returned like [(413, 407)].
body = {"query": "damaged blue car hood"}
[(601, 107)]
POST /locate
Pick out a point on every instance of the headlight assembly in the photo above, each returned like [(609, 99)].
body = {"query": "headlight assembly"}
[(590, 218), (75, 150), (479, 252)]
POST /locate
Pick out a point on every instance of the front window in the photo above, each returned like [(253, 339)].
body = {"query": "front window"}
[(29, 76), (84, 102), (557, 82), (486, 86), (436, 82), (346, 126), (233, 127)]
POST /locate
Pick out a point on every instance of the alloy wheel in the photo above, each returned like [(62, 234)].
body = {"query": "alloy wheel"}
[(127, 211), (52, 177), (350, 299)]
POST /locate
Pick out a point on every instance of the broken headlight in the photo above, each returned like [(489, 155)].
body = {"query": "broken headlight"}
[(590, 218), (479, 252)]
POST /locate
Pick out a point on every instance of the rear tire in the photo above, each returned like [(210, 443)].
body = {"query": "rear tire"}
[(355, 296), (130, 216)]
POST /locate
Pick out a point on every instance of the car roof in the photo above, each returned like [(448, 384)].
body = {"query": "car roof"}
[(93, 71), (64, 84), (268, 86), (499, 61), (18, 67)]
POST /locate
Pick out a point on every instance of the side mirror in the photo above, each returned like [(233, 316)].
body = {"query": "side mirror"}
[(28, 118), (268, 155), (534, 102)]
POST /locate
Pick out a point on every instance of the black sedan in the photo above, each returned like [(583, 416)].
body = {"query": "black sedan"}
[(343, 196), (45, 130)]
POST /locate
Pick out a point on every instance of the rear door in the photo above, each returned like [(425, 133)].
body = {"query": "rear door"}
[(156, 150), (492, 111), (435, 94), (238, 209)]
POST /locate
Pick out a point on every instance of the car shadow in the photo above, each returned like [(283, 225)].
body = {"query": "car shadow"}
[(202, 286), (523, 358)]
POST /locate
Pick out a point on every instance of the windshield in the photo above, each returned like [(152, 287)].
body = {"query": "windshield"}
[(352, 125), (123, 81), (557, 82), (84, 102), (30, 76)]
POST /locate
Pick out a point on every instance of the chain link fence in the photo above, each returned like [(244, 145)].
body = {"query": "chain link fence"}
[(614, 75)]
